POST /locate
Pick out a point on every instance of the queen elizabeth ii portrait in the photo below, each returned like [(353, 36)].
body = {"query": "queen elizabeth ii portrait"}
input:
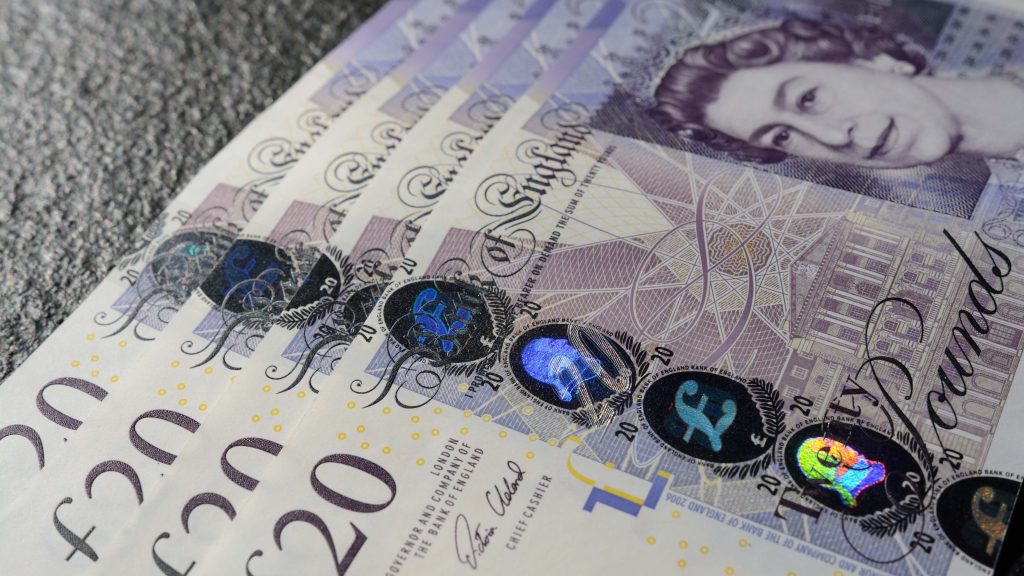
[(851, 99)]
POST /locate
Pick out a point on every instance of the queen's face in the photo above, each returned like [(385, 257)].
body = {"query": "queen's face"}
[(836, 112)]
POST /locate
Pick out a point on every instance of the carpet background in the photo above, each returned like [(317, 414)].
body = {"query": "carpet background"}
[(107, 109)]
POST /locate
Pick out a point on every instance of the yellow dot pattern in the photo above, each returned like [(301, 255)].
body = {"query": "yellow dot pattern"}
[(529, 455)]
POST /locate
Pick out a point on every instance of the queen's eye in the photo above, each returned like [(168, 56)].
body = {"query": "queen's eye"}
[(781, 138), (807, 99)]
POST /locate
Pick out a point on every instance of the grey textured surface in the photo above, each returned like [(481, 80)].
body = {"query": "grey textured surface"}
[(107, 108)]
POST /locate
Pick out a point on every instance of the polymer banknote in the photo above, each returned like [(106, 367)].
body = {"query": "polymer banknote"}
[(249, 423), (739, 293), (45, 402)]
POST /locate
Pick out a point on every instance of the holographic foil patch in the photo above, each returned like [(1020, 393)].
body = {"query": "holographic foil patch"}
[(251, 271), (569, 366), (838, 467), (705, 415), (555, 362), (438, 321), (445, 321), (974, 513), (854, 470)]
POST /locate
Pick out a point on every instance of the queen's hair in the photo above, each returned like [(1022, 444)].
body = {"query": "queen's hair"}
[(694, 81)]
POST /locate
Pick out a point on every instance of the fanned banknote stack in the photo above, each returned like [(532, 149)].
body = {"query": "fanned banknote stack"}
[(565, 287)]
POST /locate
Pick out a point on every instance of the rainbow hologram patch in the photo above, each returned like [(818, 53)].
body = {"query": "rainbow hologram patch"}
[(835, 466)]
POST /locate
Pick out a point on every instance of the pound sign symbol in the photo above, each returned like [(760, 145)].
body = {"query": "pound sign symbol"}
[(759, 440), (695, 418), (993, 526)]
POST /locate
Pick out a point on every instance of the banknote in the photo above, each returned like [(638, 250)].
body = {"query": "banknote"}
[(277, 386), (44, 403), (218, 328), (664, 328)]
